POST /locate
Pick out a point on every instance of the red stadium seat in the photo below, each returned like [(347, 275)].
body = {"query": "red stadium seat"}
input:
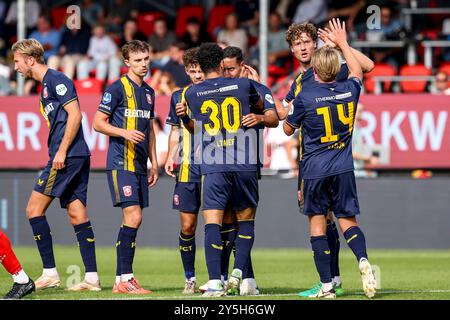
[(183, 14), (379, 70), (89, 86), (415, 70), (146, 20), (59, 16), (217, 17)]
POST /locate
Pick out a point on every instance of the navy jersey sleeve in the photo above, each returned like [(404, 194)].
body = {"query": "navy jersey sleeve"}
[(152, 103), (356, 85), (297, 113), (266, 96), (343, 72), (64, 89), (254, 96), (173, 118), (291, 94), (111, 98)]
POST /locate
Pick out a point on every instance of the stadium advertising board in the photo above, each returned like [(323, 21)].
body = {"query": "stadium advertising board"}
[(414, 129)]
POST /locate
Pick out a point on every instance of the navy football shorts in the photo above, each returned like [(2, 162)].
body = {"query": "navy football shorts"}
[(238, 190), (128, 188), (336, 193), (187, 196), (67, 184)]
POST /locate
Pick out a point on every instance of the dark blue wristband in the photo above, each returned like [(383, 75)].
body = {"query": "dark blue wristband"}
[(185, 119)]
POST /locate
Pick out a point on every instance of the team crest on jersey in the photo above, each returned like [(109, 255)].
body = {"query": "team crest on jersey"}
[(127, 191), (176, 200), (149, 98), (61, 89), (45, 92), (106, 98)]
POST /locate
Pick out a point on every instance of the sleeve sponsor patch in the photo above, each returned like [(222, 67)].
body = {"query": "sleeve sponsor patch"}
[(106, 98), (269, 98), (61, 89)]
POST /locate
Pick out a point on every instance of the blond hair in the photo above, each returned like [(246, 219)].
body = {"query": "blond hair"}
[(31, 48), (326, 63), (296, 29)]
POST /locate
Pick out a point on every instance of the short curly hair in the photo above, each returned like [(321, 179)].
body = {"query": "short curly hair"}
[(190, 57), (134, 46), (209, 56), (296, 29)]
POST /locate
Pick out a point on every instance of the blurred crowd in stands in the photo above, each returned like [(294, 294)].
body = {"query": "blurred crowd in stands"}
[(90, 55)]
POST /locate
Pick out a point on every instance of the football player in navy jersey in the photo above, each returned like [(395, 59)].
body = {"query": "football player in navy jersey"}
[(186, 196), (324, 113), (67, 172), (302, 39), (223, 111), (126, 115)]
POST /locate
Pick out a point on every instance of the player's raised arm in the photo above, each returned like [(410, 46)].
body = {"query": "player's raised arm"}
[(337, 34)]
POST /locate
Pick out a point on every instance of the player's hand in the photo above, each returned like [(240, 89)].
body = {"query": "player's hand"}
[(153, 177), (251, 119), (335, 33), (134, 136), (181, 109), (326, 40), (58, 160), (252, 74), (169, 167)]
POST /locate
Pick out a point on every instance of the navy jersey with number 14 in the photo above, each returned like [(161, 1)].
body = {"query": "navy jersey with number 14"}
[(325, 112)]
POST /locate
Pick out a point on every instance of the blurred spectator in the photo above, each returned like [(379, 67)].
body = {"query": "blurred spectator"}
[(248, 14), (441, 84), (277, 47), (286, 10), (102, 56), (174, 67), (195, 35), (160, 41), (232, 34), (131, 32), (119, 12), (92, 13), (32, 11), (48, 37), (346, 10), (390, 30), (361, 156), (5, 73), (161, 143), (315, 11), (73, 48), (283, 151), (164, 84)]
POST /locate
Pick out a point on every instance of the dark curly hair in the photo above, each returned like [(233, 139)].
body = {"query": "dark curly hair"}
[(233, 52), (190, 57), (296, 29), (134, 46), (209, 57)]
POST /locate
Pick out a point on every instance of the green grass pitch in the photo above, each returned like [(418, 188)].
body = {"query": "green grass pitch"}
[(280, 273)]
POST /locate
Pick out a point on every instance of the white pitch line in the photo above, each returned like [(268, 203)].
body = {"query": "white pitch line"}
[(233, 297)]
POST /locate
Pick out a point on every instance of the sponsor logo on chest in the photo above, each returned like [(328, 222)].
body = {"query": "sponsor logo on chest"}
[(132, 113)]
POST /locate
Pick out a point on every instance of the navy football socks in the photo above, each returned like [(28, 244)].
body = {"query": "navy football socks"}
[(244, 243), (86, 241), (333, 245), (213, 250), (43, 237), (127, 248), (119, 261), (228, 234), (357, 242), (248, 269), (322, 257), (187, 251)]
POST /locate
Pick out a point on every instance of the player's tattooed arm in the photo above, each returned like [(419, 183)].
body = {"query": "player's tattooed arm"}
[(173, 150), (153, 175), (102, 125), (74, 118)]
